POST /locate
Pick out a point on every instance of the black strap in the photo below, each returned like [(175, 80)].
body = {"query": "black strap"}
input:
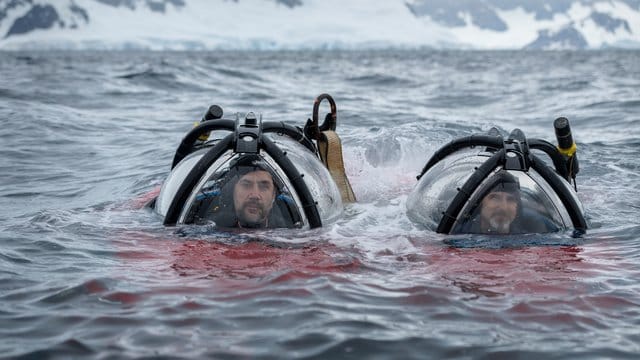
[(195, 174), (308, 203), (455, 145), (579, 223), (464, 193), (187, 146)]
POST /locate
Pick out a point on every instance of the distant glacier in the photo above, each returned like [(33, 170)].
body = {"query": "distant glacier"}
[(318, 24)]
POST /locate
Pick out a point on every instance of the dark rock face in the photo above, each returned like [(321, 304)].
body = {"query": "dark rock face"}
[(131, 4), (155, 5), (161, 6), (452, 13), (290, 3), (634, 4), (543, 10), (45, 16), (484, 15), (448, 13), (9, 5), (609, 23), (39, 17), (566, 38), (80, 12)]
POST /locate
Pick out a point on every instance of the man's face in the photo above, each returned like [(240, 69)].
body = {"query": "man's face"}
[(498, 210), (253, 197)]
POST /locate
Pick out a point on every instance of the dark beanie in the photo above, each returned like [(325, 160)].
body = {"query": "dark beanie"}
[(245, 164), (505, 182), (248, 163)]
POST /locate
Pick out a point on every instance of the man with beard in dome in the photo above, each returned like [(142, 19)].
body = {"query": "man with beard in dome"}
[(253, 197), (499, 208), (247, 194)]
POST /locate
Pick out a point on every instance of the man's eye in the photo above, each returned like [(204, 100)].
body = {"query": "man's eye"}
[(264, 186)]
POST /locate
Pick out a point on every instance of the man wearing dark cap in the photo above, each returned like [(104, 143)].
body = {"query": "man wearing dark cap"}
[(253, 197), (499, 207), (254, 192), (246, 194)]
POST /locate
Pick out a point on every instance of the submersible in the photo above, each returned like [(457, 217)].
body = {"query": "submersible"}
[(246, 172), (490, 184)]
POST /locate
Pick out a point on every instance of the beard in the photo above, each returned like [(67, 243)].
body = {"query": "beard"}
[(252, 214), (500, 223)]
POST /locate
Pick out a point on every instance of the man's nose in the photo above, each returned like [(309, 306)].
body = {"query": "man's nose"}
[(254, 192)]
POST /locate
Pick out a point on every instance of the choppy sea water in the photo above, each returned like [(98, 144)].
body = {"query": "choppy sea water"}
[(85, 272)]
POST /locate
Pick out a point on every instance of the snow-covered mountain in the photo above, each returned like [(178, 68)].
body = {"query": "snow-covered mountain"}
[(317, 24)]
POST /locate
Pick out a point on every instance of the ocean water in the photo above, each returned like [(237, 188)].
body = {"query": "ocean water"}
[(87, 272)]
